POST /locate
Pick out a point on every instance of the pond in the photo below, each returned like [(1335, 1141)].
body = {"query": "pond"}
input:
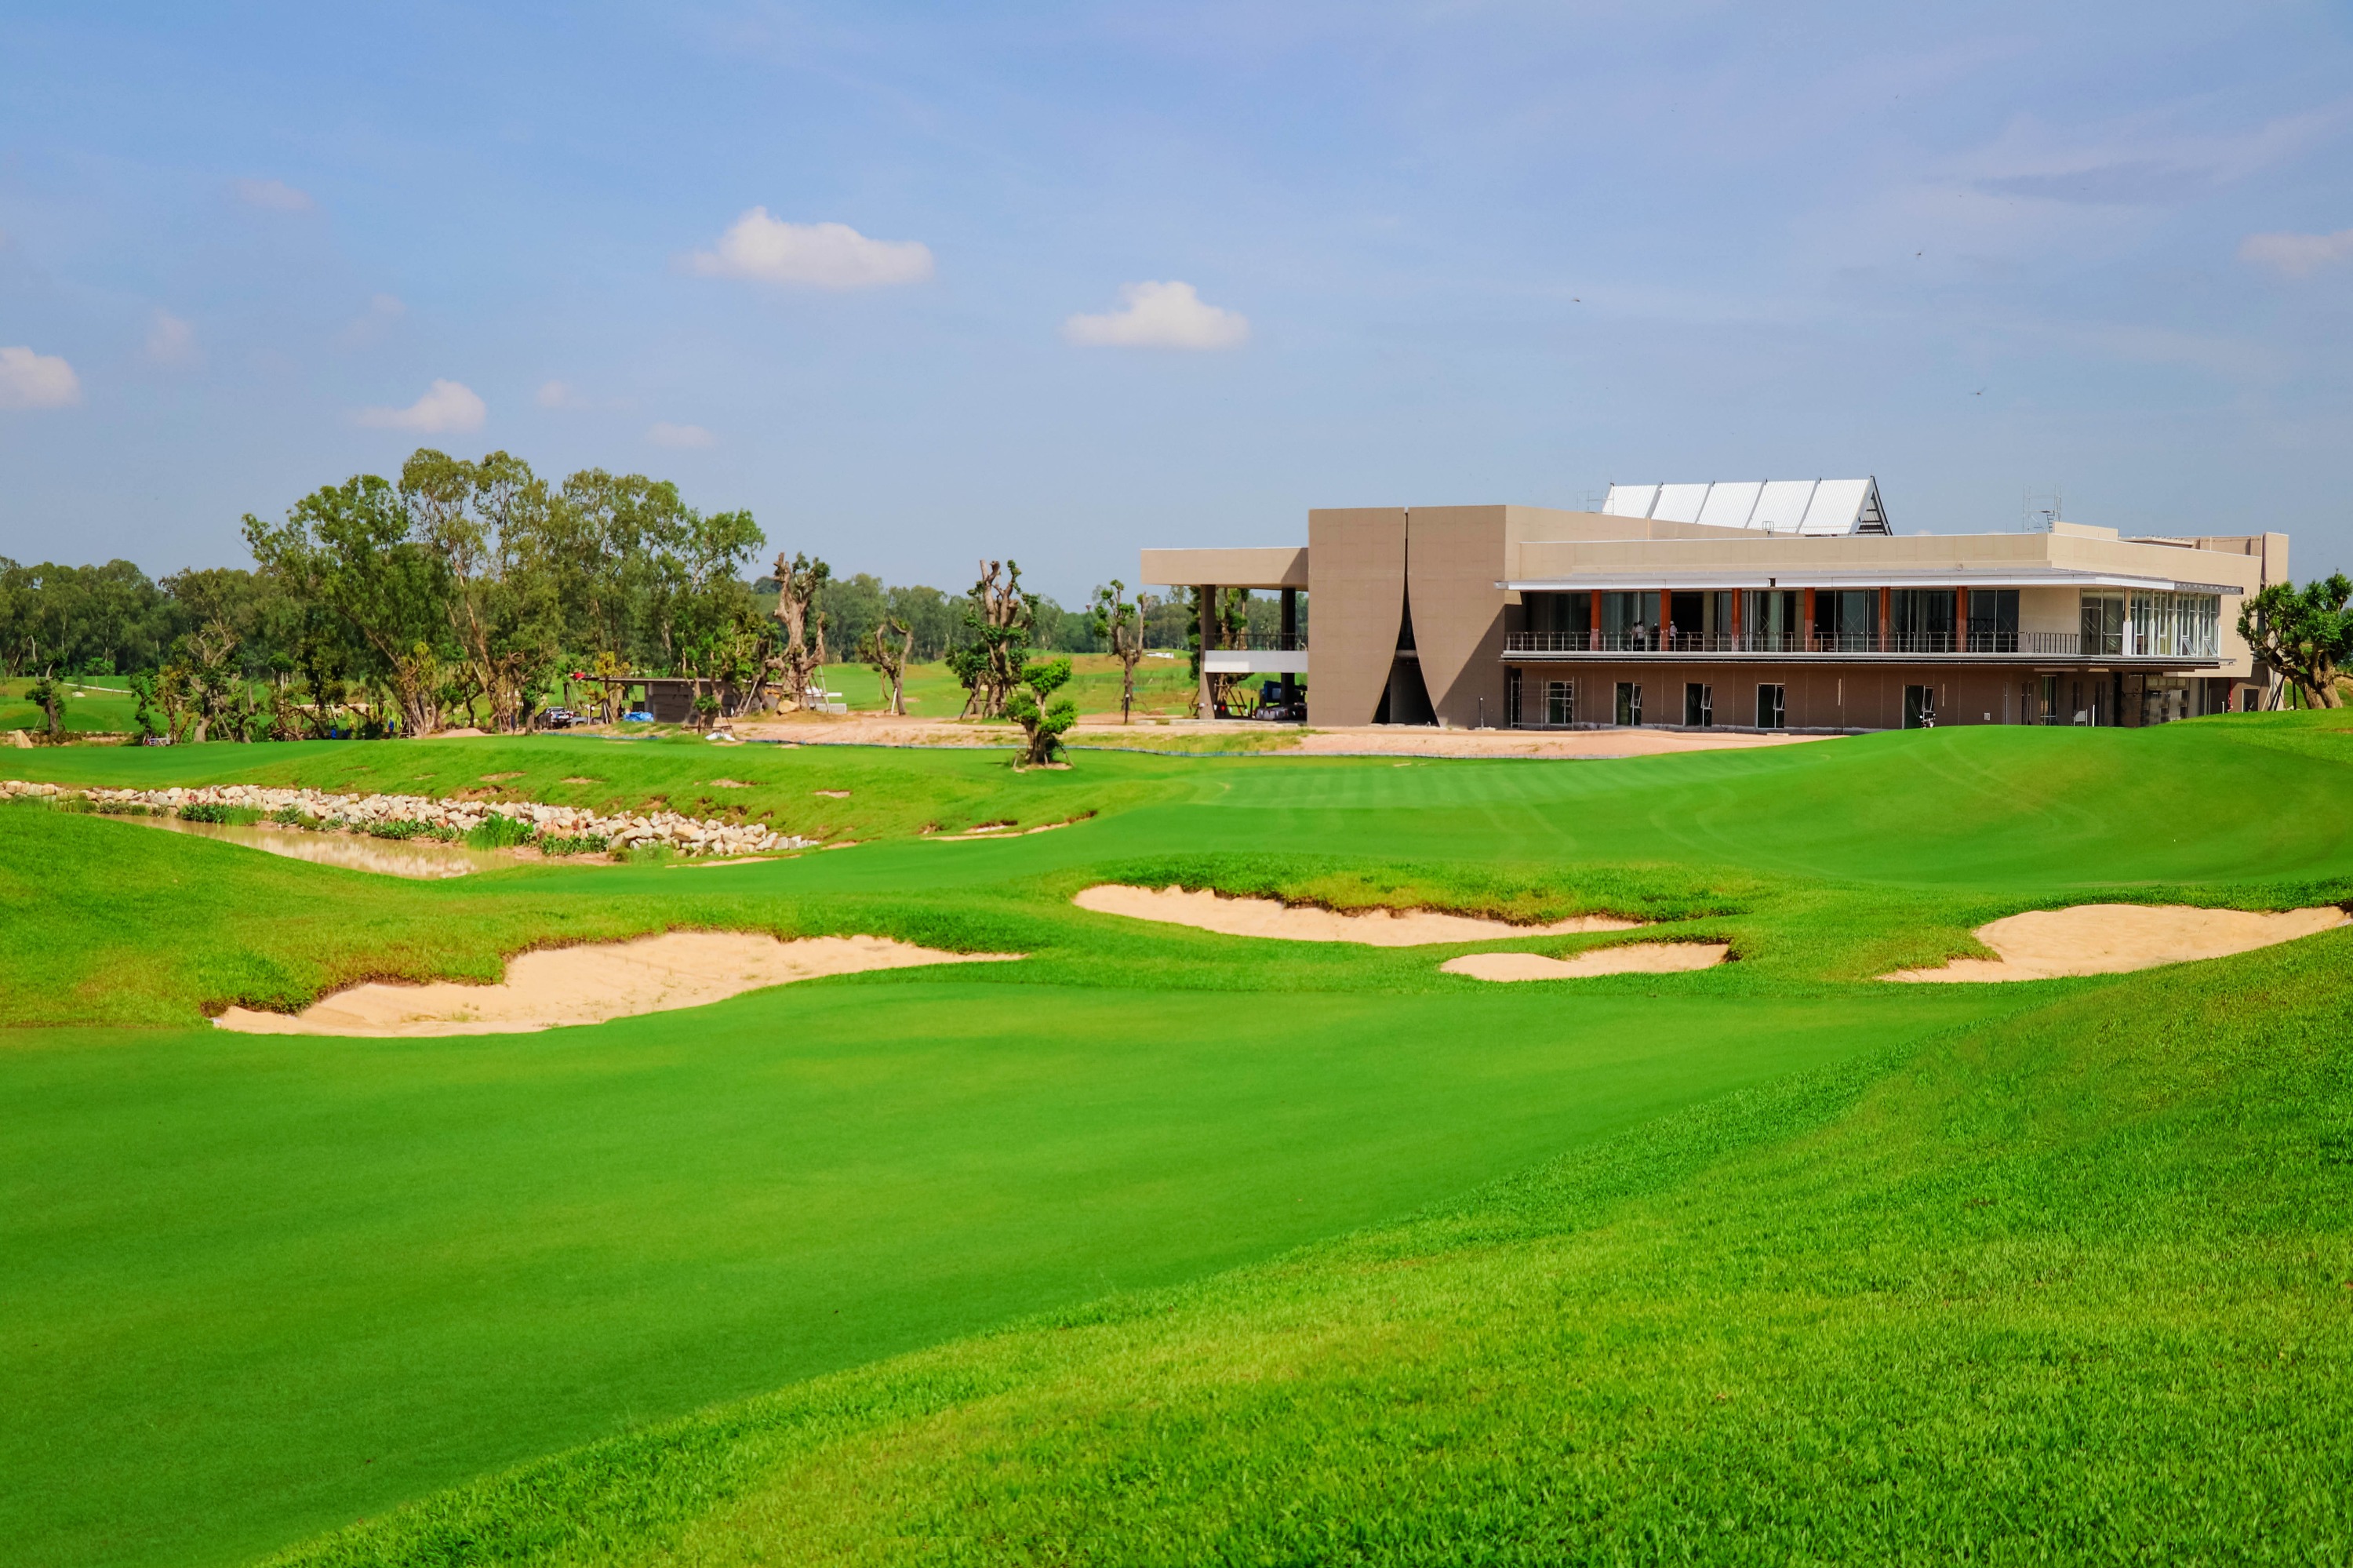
[(420, 858)]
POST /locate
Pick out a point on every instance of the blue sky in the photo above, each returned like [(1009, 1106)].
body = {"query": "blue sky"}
[(1106, 277)]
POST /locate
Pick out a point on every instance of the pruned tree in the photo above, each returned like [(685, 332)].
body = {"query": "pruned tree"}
[(800, 582), (1043, 727), (48, 694), (1000, 617), (2303, 634), (1120, 623), (890, 661)]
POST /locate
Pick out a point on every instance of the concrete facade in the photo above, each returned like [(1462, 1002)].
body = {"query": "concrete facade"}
[(1431, 614)]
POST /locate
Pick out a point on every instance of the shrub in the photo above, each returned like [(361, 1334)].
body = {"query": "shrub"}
[(122, 808), (552, 845), (406, 830), (499, 831), (296, 817), (215, 811)]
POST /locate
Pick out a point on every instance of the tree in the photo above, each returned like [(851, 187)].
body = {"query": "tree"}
[(890, 662), (490, 524), (348, 547), (48, 694), (1119, 624), (998, 616), (2303, 634), (800, 582), (1044, 726)]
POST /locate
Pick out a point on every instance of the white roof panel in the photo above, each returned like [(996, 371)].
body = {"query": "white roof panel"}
[(1729, 503), (1680, 502), (1782, 507), (1837, 504), (1630, 501)]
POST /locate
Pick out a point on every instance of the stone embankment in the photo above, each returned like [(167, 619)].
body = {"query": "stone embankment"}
[(689, 835)]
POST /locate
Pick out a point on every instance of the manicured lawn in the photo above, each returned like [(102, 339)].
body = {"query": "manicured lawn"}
[(259, 1287), (101, 704)]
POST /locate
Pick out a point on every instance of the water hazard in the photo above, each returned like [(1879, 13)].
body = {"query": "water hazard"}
[(418, 858)]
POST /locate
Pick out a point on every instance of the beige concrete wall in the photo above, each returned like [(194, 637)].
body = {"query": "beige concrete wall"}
[(1458, 612), (1356, 583), (2051, 610)]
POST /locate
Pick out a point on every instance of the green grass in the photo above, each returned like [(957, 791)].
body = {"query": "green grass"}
[(262, 1286), (102, 704)]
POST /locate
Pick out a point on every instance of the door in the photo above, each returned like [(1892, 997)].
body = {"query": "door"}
[(1629, 702), (1699, 704), (1919, 707), (1771, 705)]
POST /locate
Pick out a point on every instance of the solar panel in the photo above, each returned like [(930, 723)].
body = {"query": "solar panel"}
[(1729, 504), (1630, 501), (1680, 502), (1782, 506), (1836, 503)]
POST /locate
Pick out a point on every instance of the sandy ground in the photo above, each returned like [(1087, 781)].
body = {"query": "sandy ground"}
[(2111, 938), (1634, 958), (1207, 911), (1370, 740), (591, 984)]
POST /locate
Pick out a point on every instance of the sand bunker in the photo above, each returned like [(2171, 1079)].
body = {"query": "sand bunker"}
[(591, 984), (1633, 959), (2111, 938), (1207, 911)]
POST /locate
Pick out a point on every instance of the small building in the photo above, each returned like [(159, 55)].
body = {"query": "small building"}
[(1750, 605)]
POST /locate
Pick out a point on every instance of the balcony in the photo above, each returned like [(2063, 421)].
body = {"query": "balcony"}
[(2004, 646)]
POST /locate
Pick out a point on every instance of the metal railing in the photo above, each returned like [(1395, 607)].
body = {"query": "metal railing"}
[(1265, 643), (2050, 644)]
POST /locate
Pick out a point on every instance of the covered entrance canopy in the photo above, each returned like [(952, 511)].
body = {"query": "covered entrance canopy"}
[(1281, 568)]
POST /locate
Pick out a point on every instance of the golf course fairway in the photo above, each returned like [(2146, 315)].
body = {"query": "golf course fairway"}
[(1157, 1244)]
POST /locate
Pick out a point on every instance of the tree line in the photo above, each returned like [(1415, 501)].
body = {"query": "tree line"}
[(468, 591)]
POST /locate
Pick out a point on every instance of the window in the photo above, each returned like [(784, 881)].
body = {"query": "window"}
[(1993, 620), (2104, 624), (1629, 702), (1560, 619), (1560, 703), (1512, 717), (1699, 704), (1771, 620), (1921, 619), (1847, 621), (1772, 707), (1628, 620), (1919, 707), (2050, 699)]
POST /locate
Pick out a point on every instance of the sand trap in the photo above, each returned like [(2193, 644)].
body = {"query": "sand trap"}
[(1633, 959), (590, 984), (2111, 938), (1207, 911)]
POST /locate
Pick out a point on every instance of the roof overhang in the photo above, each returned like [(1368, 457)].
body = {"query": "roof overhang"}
[(1857, 578), (1278, 566)]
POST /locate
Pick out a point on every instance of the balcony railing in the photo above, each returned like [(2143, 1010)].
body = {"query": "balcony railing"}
[(1265, 643), (2045, 644)]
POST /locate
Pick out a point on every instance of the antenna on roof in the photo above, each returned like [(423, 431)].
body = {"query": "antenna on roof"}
[(2041, 509)]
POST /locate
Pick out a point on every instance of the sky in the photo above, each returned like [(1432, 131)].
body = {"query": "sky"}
[(917, 284)]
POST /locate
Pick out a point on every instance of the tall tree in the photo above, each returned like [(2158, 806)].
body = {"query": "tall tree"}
[(2305, 634), (997, 617), (489, 525), (1118, 623), (800, 620), (348, 547)]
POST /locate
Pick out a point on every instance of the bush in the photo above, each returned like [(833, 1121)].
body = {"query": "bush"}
[(122, 808), (405, 830), (215, 811), (499, 831), (552, 845), (296, 817)]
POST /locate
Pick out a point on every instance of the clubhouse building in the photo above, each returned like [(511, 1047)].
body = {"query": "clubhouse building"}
[(1752, 605)]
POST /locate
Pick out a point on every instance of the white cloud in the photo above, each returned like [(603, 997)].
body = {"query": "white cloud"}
[(1160, 315), (2298, 255), (171, 341), (560, 394), (447, 406), (29, 380), (272, 195), (824, 255), (662, 433)]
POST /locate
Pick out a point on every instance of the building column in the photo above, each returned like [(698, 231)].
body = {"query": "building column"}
[(1208, 592), (1961, 621), (1806, 634), (1666, 613), (1290, 642), (1886, 610)]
